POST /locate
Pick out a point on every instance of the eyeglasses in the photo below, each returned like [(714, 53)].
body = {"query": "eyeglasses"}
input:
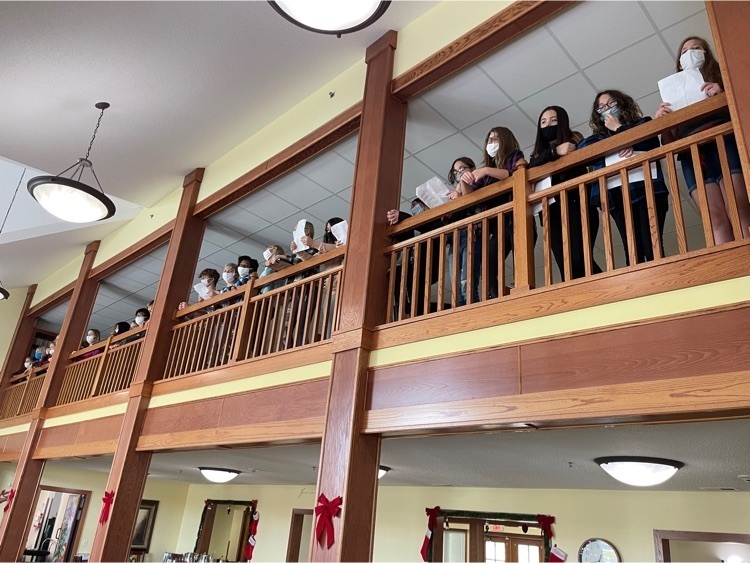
[(604, 107), (458, 172)]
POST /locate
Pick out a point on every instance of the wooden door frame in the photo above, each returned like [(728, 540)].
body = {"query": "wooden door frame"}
[(663, 537), (84, 493), (295, 533), (206, 525)]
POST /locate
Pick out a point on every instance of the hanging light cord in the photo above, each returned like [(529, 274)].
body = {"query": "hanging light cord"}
[(91, 144), (12, 200)]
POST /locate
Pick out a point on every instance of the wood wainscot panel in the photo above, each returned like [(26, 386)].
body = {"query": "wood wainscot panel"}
[(90, 437), (11, 446), (696, 345), (58, 436), (107, 428), (195, 415), (490, 373)]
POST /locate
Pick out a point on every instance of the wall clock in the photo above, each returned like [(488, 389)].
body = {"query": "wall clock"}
[(597, 549)]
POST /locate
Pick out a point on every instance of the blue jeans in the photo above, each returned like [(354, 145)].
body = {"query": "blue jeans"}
[(463, 257), (711, 163)]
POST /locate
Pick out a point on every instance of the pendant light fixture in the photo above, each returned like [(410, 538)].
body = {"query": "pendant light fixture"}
[(332, 17), (70, 199), (640, 471), (4, 293)]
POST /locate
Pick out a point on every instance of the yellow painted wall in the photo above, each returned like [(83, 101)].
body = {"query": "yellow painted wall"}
[(61, 278), (10, 311), (626, 518)]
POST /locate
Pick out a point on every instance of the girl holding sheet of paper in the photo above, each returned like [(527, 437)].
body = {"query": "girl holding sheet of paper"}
[(555, 139), (614, 112), (695, 55)]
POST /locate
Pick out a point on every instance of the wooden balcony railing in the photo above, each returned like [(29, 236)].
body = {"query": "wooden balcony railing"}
[(258, 319), (106, 367), (425, 270), (22, 392)]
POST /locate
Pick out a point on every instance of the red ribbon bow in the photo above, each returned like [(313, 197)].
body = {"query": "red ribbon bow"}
[(325, 511), (9, 500), (546, 523), (107, 500), (432, 514)]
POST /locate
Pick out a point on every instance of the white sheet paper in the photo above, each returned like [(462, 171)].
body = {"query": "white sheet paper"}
[(682, 88), (298, 233), (201, 290), (433, 192), (540, 186), (267, 254), (635, 175), (340, 231)]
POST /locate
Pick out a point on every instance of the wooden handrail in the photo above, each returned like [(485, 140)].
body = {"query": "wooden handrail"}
[(188, 322), (314, 277), (291, 271), (211, 302)]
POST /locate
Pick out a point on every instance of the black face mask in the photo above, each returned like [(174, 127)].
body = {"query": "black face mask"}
[(549, 133)]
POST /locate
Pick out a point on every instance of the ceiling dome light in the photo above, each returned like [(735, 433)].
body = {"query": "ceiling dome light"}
[(382, 470), (333, 17), (639, 471), (70, 199), (218, 475)]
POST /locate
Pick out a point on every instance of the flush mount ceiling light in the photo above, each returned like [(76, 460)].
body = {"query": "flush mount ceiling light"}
[(382, 470), (333, 17), (639, 471), (69, 198), (218, 475)]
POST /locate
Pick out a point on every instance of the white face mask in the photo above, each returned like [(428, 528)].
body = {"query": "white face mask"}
[(229, 277), (90, 338), (267, 254), (244, 272), (139, 320), (692, 58), (27, 364), (492, 149), (51, 351), (206, 281)]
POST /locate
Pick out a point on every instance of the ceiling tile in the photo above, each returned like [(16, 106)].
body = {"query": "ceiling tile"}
[(649, 103), (330, 170), (223, 257), (466, 98), (220, 234), (635, 70), (159, 253), (124, 284), (694, 25), (142, 276), (425, 126), (266, 205), (274, 235), (334, 206), (152, 265), (246, 246), (440, 156), (208, 248), (299, 190), (240, 220), (348, 147), (666, 13), (119, 307), (583, 33), (513, 119), (416, 173), (574, 94), (511, 67), (346, 195)]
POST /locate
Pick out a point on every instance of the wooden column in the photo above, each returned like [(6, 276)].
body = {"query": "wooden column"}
[(22, 337), (127, 478), (523, 232), (349, 459), (29, 471), (729, 24)]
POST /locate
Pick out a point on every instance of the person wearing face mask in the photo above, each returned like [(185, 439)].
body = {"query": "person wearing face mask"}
[(28, 363), (555, 139), (246, 268), (93, 337), (614, 112), (230, 277), (695, 53)]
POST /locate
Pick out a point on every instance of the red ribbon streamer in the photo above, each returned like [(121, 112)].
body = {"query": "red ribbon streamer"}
[(546, 523), (107, 500), (325, 512), (432, 514), (9, 500)]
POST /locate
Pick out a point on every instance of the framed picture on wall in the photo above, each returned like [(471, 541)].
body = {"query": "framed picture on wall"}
[(144, 525)]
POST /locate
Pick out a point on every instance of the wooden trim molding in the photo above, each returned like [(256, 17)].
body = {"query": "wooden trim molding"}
[(663, 537), (470, 47), (308, 146), (102, 447), (52, 301), (133, 252)]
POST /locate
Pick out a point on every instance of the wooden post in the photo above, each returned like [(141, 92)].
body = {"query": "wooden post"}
[(29, 471), (523, 232), (127, 478), (349, 459), (22, 339)]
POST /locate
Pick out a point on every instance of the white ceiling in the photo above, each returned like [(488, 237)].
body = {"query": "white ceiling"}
[(714, 453), (188, 81)]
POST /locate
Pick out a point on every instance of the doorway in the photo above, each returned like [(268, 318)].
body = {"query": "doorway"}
[(55, 524), (502, 548), (224, 529), (300, 532)]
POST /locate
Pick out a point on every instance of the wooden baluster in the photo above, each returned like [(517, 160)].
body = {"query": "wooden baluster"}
[(708, 231), (22, 394), (244, 328), (627, 208), (441, 274), (326, 308), (260, 322), (428, 278), (523, 232), (455, 270), (469, 289), (501, 281), (674, 193), (415, 280), (289, 321), (588, 251), (405, 254), (271, 320), (609, 255), (174, 349), (312, 311), (336, 303), (484, 285), (303, 322), (203, 343), (546, 240), (729, 196), (565, 235), (653, 220), (99, 369), (186, 350), (280, 321), (391, 289), (251, 334)]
